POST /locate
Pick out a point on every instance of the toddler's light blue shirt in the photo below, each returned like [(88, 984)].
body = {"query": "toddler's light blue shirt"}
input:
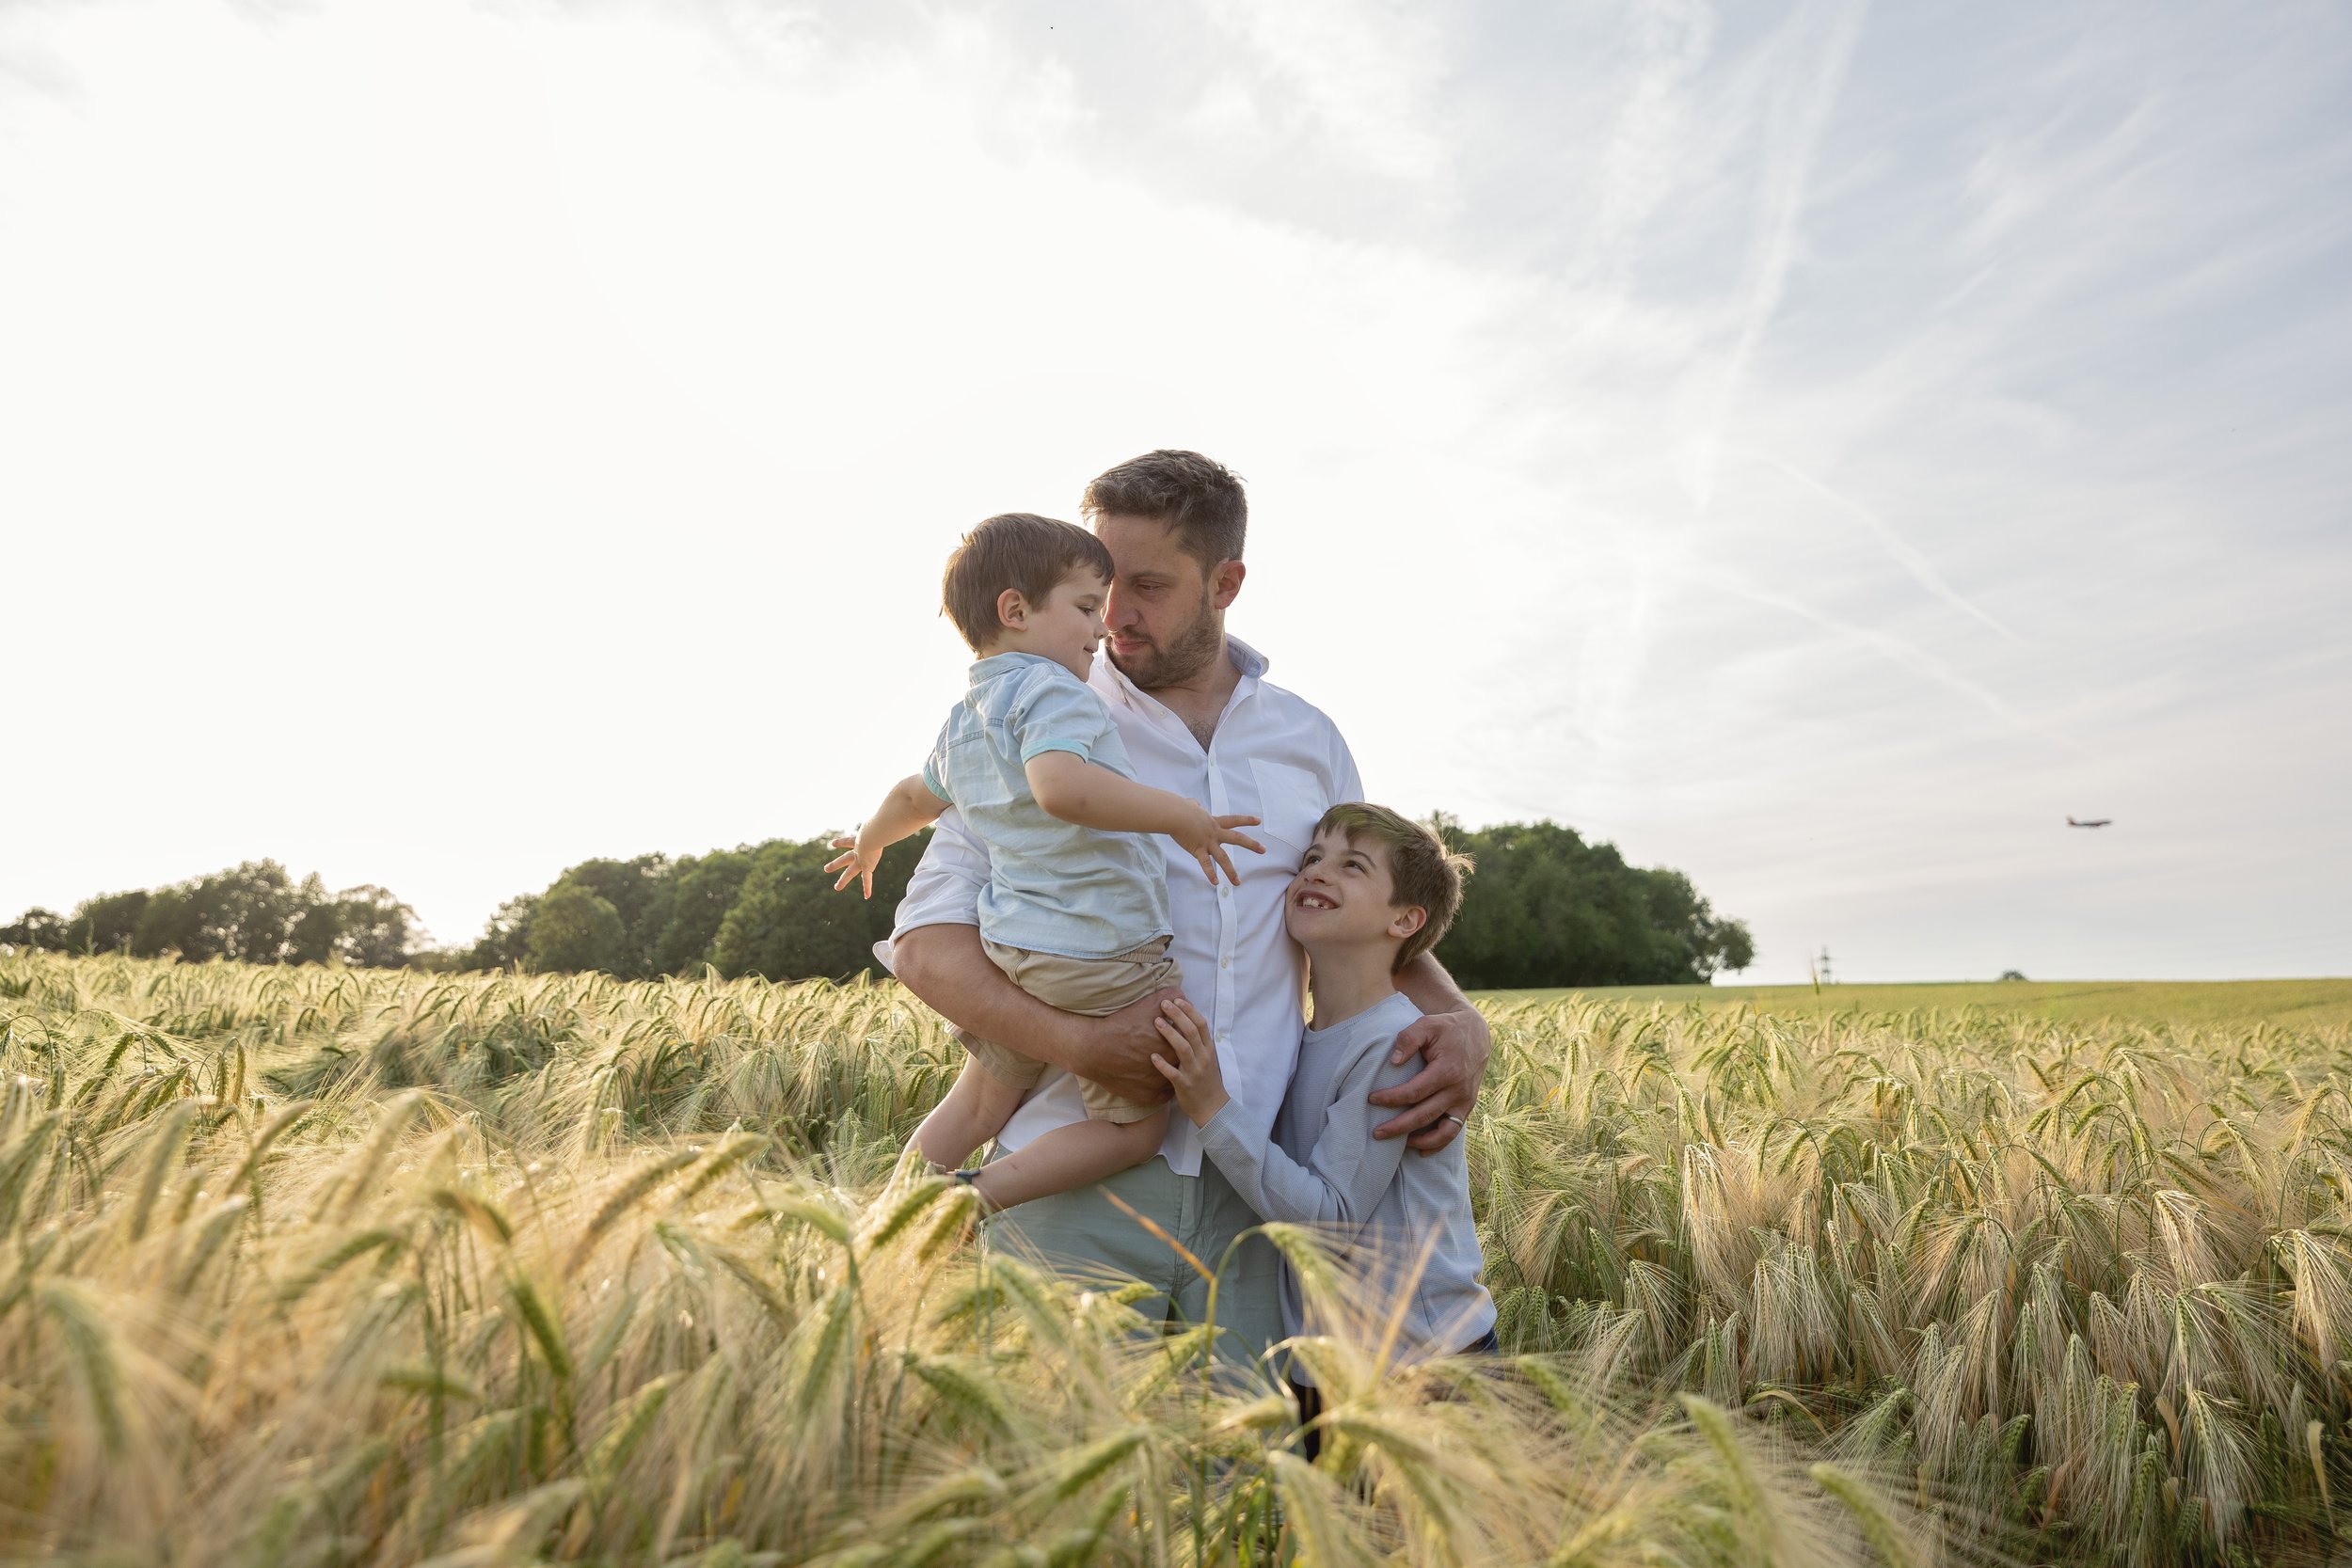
[(1053, 886)]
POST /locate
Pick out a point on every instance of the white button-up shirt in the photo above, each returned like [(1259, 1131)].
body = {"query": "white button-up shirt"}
[(1273, 756)]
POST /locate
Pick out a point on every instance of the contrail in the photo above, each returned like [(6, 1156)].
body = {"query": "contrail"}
[(1789, 164), (1919, 566), (1894, 648)]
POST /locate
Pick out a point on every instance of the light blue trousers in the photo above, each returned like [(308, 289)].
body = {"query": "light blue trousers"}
[(1087, 1239)]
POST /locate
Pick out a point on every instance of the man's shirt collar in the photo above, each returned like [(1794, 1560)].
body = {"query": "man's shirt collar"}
[(1112, 681)]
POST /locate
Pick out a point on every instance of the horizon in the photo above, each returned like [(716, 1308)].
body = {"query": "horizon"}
[(1722, 980), (451, 442)]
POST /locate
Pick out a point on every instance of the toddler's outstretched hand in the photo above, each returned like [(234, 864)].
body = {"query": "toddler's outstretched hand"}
[(1196, 1074), (858, 864), (1207, 836)]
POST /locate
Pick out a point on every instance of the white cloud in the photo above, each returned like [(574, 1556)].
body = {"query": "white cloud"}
[(1365, 76)]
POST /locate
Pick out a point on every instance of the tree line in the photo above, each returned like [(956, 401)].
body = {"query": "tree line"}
[(253, 913), (1543, 909)]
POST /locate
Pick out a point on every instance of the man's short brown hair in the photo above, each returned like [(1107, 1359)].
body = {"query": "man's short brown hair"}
[(1426, 874), (1200, 500), (1014, 550)]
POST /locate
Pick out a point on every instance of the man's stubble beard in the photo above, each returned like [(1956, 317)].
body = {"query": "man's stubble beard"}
[(1193, 650)]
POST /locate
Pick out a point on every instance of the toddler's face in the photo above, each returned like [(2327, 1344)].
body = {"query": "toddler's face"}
[(1068, 627)]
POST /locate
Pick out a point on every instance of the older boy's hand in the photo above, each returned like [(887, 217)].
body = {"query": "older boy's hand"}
[(1195, 1072), (1453, 1048)]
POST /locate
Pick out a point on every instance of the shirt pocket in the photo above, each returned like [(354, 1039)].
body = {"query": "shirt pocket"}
[(1292, 801)]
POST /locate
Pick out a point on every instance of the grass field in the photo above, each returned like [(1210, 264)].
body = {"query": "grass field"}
[(309, 1266), (2301, 1004)]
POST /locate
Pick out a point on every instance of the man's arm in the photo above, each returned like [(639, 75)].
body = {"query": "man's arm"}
[(1453, 1041), (947, 968)]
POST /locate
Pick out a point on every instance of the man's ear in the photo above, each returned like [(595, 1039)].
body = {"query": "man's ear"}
[(1412, 918), (1012, 609), (1224, 582)]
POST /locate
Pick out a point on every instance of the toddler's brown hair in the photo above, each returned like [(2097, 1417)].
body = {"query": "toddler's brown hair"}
[(1014, 550)]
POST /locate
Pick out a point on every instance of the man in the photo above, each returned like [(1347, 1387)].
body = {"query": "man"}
[(1200, 719)]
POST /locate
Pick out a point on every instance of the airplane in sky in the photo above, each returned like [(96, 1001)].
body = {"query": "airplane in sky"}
[(2094, 822)]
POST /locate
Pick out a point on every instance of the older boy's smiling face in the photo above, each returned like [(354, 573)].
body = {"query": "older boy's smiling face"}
[(1341, 893)]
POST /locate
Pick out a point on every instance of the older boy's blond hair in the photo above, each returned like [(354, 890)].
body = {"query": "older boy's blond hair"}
[(1427, 875)]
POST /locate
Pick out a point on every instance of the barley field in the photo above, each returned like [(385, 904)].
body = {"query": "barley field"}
[(315, 1266), (2299, 1003)]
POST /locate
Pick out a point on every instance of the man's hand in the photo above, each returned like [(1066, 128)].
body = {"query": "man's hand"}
[(1198, 1077), (1453, 1048), (1119, 1046)]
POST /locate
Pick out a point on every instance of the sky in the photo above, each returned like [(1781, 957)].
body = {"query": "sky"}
[(1816, 447)]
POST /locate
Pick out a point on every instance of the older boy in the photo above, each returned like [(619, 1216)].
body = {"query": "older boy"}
[(1374, 892)]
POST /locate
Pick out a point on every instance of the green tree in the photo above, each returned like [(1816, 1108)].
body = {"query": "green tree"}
[(701, 890), (106, 923), (640, 893), (38, 927), (507, 940), (789, 924), (247, 912), (373, 928), (1546, 909), (1733, 948), (168, 924), (310, 935), (575, 927)]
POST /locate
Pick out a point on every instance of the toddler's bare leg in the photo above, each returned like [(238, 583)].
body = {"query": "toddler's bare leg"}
[(976, 1109), (1070, 1157)]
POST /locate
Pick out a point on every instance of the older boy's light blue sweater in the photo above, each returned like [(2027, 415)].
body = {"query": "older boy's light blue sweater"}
[(1369, 1197)]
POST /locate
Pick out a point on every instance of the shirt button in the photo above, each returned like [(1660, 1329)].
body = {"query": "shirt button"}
[(1225, 963), (1224, 892)]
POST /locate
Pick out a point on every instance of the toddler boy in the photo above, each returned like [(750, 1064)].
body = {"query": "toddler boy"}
[(1075, 910), (1374, 892)]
